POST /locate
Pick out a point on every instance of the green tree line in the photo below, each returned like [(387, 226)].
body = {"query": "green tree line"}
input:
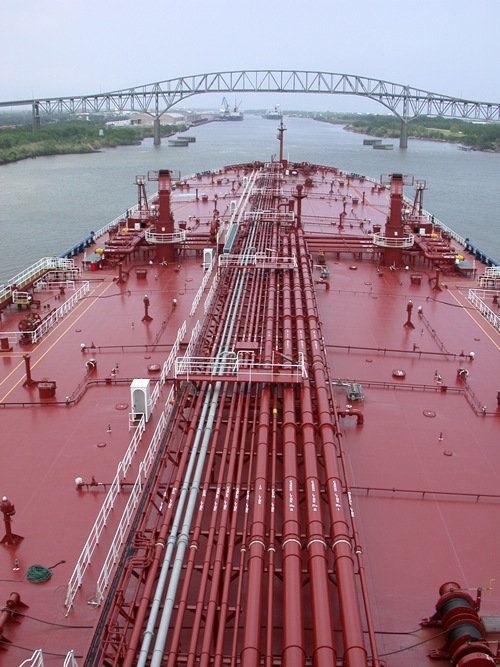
[(480, 136), (69, 136)]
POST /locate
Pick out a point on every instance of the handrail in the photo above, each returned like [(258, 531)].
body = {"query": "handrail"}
[(114, 223), (448, 230), (15, 336), (423, 493), (211, 293), (201, 289), (85, 557), (31, 272), (270, 216), (93, 540), (476, 298), (36, 660), (59, 313), (100, 523), (393, 242), (258, 260), (174, 237), (173, 353), (70, 660), (465, 390), (54, 285), (264, 190), (119, 219), (193, 340), (234, 364), (135, 494)]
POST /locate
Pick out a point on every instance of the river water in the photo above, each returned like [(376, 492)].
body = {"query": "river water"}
[(49, 204)]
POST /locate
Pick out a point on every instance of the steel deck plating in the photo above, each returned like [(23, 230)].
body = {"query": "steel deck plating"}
[(264, 431)]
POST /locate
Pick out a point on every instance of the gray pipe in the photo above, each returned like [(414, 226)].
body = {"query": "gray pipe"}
[(191, 493)]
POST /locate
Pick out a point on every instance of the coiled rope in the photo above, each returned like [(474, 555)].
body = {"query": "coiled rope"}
[(37, 574)]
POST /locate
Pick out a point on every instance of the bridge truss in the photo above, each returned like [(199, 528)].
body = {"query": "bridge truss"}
[(155, 99)]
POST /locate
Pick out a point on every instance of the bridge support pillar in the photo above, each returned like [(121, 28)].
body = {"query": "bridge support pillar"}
[(403, 137), (156, 131), (35, 111)]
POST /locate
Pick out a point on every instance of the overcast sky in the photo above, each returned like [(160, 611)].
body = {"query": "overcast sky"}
[(50, 48)]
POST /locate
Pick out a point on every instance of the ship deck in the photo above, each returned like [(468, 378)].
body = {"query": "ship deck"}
[(301, 438)]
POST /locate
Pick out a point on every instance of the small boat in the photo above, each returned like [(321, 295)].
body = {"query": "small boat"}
[(274, 114)]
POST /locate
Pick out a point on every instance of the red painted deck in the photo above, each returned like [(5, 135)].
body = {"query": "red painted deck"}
[(304, 511)]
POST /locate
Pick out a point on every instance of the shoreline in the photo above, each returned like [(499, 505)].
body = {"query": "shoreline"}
[(348, 128), (458, 143)]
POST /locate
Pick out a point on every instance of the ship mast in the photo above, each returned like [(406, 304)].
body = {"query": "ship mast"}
[(395, 238), (281, 131), (165, 250)]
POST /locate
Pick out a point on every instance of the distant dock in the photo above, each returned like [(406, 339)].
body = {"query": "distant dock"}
[(378, 145)]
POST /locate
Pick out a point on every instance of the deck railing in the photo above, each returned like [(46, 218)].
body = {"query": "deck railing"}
[(116, 486), (93, 539), (193, 340), (211, 293), (175, 237), (135, 494), (54, 285), (36, 660), (121, 531), (70, 660), (281, 217), (476, 297), (258, 260), (269, 191), (59, 313), (437, 222), (34, 271), (15, 336), (169, 362), (201, 289), (465, 390), (491, 278), (114, 551), (393, 242), (241, 366)]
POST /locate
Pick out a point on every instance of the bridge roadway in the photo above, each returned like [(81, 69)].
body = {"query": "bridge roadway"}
[(405, 102)]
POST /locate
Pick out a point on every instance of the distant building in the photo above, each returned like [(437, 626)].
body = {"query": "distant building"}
[(165, 119), (146, 119)]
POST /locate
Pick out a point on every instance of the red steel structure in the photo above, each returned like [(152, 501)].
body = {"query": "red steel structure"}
[(267, 459), (312, 362)]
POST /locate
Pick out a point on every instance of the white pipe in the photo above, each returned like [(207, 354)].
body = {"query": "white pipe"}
[(169, 549), (182, 539)]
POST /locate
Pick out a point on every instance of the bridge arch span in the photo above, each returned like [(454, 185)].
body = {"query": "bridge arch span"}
[(405, 102)]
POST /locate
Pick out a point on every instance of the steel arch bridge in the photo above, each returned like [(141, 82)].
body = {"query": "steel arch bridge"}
[(404, 102)]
